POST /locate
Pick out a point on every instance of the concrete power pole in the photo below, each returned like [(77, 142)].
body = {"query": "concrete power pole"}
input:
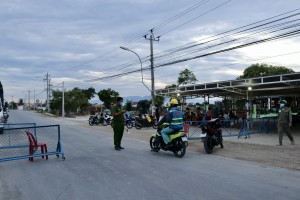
[(63, 100), (28, 99), (152, 38), (48, 91)]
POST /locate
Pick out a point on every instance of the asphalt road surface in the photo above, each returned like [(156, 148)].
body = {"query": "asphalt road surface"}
[(94, 170)]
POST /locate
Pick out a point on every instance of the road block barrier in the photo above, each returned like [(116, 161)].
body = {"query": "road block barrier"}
[(15, 143)]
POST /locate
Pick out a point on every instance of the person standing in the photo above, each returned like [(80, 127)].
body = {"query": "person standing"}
[(284, 123), (157, 114), (118, 123)]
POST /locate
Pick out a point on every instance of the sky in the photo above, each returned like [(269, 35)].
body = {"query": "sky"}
[(77, 42)]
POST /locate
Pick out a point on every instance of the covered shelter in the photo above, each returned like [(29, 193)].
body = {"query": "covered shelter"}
[(265, 91), (265, 86)]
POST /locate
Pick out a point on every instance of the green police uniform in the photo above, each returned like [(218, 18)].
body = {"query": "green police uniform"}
[(284, 118), (118, 125)]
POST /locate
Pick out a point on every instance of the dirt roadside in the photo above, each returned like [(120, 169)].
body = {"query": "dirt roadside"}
[(286, 156)]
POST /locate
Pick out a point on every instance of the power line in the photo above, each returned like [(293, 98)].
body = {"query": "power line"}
[(110, 75), (195, 18)]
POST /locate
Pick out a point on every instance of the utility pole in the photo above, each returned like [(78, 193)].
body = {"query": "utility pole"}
[(152, 38), (34, 103), (48, 91), (63, 100), (28, 99)]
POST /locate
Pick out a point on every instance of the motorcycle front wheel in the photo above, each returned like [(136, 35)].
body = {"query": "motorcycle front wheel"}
[(208, 144), (179, 148), (154, 126), (129, 125), (153, 146), (91, 123)]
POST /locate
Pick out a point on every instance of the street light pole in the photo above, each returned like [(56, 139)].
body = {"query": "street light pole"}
[(152, 81), (126, 49)]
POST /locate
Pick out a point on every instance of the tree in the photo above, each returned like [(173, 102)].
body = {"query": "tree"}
[(186, 77), (89, 93), (56, 101), (74, 99), (128, 105), (78, 99), (159, 101), (108, 97), (171, 86), (257, 70), (21, 102), (144, 105)]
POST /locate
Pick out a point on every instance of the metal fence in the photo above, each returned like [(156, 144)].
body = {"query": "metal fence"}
[(15, 144), (237, 127)]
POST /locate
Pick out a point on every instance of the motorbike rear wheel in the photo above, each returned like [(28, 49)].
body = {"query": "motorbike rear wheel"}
[(138, 126), (208, 144), (153, 146), (179, 148)]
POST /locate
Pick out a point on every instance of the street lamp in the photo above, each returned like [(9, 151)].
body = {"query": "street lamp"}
[(152, 96), (126, 49)]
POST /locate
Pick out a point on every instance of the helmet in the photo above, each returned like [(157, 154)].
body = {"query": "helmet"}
[(283, 101), (174, 101)]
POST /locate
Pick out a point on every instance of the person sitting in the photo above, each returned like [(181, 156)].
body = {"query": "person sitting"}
[(175, 118)]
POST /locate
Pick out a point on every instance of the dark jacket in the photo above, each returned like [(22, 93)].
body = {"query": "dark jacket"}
[(285, 116)]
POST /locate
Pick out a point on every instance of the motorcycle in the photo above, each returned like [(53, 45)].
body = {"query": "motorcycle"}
[(145, 121), (97, 119), (178, 140), (129, 122), (211, 135), (107, 119)]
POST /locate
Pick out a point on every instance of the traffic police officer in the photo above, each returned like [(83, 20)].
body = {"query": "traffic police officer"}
[(284, 122), (118, 123)]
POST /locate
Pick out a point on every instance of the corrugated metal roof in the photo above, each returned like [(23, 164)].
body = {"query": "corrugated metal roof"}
[(276, 85)]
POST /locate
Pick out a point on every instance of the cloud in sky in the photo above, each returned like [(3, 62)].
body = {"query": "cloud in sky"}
[(78, 41)]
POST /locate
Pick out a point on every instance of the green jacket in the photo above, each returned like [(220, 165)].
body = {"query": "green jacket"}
[(118, 118), (285, 116)]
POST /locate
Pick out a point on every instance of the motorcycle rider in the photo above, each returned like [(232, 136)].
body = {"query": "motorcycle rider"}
[(175, 118)]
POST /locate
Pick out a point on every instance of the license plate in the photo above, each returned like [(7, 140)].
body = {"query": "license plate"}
[(202, 135), (184, 139)]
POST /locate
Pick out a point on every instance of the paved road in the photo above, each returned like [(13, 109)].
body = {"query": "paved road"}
[(94, 170)]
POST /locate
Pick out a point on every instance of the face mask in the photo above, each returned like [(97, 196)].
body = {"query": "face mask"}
[(121, 104), (281, 105)]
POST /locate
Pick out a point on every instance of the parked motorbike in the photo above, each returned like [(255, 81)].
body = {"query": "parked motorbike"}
[(97, 119), (145, 121), (211, 135), (129, 122), (107, 119), (178, 140)]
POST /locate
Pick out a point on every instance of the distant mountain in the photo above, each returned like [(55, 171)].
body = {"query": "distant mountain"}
[(136, 98), (129, 98)]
